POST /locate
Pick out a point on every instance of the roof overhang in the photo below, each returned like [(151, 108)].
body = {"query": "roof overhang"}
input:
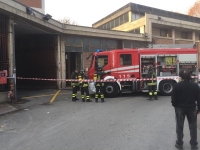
[(35, 24)]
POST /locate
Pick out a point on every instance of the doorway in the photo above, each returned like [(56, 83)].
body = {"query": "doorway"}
[(73, 61)]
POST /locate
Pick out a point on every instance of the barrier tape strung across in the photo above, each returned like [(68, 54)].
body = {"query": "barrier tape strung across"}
[(114, 80)]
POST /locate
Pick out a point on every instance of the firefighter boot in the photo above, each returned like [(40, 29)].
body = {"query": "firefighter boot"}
[(155, 97), (76, 98), (83, 98), (96, 98), (102, 98), (73, 98), (88, 99), (150, 98)]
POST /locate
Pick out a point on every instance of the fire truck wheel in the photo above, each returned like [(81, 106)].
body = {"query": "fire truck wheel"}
[(111, 90), (166, 87)]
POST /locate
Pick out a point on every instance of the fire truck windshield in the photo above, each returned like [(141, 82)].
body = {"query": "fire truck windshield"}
[(102, 61)]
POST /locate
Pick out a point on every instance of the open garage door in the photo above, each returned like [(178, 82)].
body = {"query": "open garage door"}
[(36, 58)]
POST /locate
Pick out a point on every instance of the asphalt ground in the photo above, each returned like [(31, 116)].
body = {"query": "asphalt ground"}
[(49, 120)]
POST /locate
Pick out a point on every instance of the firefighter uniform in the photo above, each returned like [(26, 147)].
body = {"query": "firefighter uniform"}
[(99, 85), (84, 87), (152, 84), (75, 84)]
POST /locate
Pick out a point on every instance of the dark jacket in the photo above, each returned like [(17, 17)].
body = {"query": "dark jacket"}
[(74, 75), (185, 94)]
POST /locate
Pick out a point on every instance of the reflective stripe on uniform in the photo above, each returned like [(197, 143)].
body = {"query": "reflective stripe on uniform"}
[(150, 84), (96, 95), (150, 93)]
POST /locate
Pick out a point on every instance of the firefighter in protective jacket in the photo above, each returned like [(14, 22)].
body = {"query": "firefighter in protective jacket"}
[(152, 84), (99, 85), (75, 84), (84, 87)]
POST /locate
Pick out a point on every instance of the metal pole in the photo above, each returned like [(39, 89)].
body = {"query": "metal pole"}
[(14, 63)]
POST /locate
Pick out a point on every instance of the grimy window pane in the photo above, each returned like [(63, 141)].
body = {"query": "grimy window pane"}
[(127, 44), (126, 18), (112, 24), (121, 19), (117, 22), (125, 59), (108, 25), (133, 17), (137, 16)]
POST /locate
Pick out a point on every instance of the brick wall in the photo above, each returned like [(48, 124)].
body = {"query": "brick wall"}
[(32, 3), (86, 62), (183, 42), (162, 41)]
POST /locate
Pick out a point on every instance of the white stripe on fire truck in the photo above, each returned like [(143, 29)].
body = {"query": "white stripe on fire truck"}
[(124, 68), (129, 71)]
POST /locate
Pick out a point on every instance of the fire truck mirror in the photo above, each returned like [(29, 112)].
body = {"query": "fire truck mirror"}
[(3, 78)]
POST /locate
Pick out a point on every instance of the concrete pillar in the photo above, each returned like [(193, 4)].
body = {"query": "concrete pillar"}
[(148, 26), (142, 29), (63, 61), (58, 62), (130, 16), (174, 36), (193, 37), (10, 46)]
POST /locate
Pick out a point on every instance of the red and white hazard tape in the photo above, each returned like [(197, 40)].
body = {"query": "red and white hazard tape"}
[(112, 80)]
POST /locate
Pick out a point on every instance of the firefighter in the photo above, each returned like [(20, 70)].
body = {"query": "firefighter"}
[(75, 84), (99, 85), (151, 84), (84, 87)]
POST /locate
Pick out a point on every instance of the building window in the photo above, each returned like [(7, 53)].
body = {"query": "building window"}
[(108, 25), (117, 22), (125, 60), (136, 16), (136, 31), (163, 32), (184, 35), (112, 24), (126, 17), (121, 19)]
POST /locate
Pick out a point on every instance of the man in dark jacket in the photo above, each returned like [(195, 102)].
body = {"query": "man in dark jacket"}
[(185, 98)]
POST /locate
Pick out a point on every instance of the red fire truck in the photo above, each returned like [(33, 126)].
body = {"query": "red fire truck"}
[(125, 64)]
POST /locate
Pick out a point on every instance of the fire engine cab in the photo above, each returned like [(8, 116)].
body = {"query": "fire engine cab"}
[(131, 64)]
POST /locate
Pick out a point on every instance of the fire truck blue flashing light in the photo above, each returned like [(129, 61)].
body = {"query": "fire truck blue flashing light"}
[(98, 50)]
